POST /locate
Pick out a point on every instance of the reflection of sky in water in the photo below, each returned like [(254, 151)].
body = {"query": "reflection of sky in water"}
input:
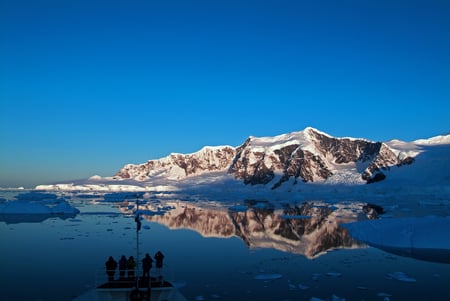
[(66, 254)]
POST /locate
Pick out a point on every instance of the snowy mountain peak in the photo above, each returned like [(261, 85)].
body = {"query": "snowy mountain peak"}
[(302, 138), (307, 156), (311, 130), (203, 150), (177, 166), (271, 143)]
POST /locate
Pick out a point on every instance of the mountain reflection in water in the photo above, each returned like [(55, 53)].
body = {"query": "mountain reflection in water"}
[(272, 264), (310, 228)]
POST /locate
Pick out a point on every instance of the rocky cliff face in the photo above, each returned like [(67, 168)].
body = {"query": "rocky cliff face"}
[(307, 156), (177, 166)]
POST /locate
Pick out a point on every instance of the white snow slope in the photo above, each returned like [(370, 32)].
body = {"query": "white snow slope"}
[(429, 174)]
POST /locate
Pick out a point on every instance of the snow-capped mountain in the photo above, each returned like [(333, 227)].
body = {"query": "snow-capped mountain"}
[(307, 156), (177, 166), (282, 163)]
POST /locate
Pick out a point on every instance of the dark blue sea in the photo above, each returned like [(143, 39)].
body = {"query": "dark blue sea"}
[(212, 252)]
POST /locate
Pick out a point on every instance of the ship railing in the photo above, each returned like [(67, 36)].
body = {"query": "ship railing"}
[(162, 274)]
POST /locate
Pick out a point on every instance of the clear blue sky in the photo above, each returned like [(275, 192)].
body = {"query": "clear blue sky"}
[(88, 86)]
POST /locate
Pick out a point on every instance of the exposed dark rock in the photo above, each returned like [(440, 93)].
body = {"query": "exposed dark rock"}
[(406, 161), (314, 159), (373, 211), (376, 178)]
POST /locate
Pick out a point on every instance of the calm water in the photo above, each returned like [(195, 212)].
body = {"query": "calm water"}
[(58, 259)]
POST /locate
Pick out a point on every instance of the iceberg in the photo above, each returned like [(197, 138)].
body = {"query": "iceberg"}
[(35, 207), (424, 238)]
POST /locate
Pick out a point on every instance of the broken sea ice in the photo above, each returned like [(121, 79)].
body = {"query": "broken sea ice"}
[(400, 276)]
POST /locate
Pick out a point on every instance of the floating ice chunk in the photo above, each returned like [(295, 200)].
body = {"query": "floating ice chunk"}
[(400, 276), (363, 288), (423, 238), (292, 287), (334, 274), (199, 298), (30, 205), (268, 276), (336, 298), (303, 287), (333, 298), (384, 295)]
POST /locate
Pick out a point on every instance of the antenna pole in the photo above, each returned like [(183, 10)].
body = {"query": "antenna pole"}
[(138, 228)]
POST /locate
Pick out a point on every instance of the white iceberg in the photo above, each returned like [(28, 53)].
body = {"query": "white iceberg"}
[(35, 207), (425, 238), (334, 274)]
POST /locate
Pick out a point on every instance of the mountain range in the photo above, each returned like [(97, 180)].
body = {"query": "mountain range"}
[(308, 156)]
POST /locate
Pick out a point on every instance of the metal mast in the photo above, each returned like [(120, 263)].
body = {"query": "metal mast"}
[(137, 219)]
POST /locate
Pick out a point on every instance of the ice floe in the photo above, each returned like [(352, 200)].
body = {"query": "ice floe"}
[(35, 204), (333, 298), (423, 238), (334, 274), (400, 276), (303, 287)]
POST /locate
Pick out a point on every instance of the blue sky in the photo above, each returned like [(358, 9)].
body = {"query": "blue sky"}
[(88, 86)]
